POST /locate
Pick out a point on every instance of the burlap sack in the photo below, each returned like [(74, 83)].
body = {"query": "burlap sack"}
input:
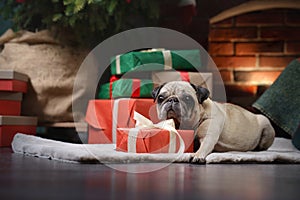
[(52, 69)]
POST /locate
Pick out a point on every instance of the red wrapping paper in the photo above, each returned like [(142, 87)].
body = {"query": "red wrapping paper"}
[(154, 140), (13, 85), (105, 116), (11, 125), (8, 107), (8, 132)]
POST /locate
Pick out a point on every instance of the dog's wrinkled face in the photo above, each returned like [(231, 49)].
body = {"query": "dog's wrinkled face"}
[(180, 101)]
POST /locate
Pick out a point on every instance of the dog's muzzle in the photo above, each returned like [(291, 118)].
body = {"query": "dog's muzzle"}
[(173, 110)]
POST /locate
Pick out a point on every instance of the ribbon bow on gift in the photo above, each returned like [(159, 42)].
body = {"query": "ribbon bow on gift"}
[(144, 123)]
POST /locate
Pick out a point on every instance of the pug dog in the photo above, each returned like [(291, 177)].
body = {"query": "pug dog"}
[(219, 127)]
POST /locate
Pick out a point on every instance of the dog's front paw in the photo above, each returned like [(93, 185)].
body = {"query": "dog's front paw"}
[(196, 159)]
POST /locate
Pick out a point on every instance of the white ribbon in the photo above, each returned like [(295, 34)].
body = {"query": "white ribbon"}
[(167, 59), (144, 123), (118, 66), (115, 117), (115, 120)]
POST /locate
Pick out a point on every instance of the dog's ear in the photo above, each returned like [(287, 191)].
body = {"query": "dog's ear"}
[(156, 91), (201, 92)]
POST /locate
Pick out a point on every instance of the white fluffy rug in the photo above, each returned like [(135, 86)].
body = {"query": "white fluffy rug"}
[(281, 151)]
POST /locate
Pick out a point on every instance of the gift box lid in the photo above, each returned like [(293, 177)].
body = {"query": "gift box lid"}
[(156, 61), (18, 120), (99, 112), (14, 96), (11, 74)]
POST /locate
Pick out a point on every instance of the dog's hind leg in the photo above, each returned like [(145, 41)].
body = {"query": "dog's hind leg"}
[(267, 133)]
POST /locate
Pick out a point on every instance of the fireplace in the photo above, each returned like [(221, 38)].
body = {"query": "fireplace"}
[(252, 43)]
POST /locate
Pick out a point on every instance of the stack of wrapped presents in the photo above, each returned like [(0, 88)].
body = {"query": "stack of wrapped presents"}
[(111, 116), (12, 87)]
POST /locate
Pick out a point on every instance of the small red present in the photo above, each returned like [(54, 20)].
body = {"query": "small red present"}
[(105, 116), (10, 103), (154, 138), (13, 81), (11, 125)]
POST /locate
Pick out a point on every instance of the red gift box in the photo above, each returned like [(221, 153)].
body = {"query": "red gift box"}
[(11, 125), (10, 103), (13, 81), (152, 140), (105, 116)]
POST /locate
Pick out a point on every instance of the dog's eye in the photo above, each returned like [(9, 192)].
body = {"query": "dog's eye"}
[(160, 98), (188, 98)]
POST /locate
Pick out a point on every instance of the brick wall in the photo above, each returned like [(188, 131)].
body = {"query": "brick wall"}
[(252, 49)]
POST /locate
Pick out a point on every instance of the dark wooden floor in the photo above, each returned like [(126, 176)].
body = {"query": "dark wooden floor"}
[(23, 177)]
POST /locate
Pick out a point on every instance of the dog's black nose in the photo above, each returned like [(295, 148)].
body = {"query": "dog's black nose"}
[(173, 100)]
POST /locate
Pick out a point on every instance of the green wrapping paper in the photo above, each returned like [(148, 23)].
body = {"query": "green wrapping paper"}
[(187, 60), (126, 88)]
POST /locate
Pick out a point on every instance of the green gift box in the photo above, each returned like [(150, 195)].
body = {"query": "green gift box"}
[(126, 88), (187, 60)]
